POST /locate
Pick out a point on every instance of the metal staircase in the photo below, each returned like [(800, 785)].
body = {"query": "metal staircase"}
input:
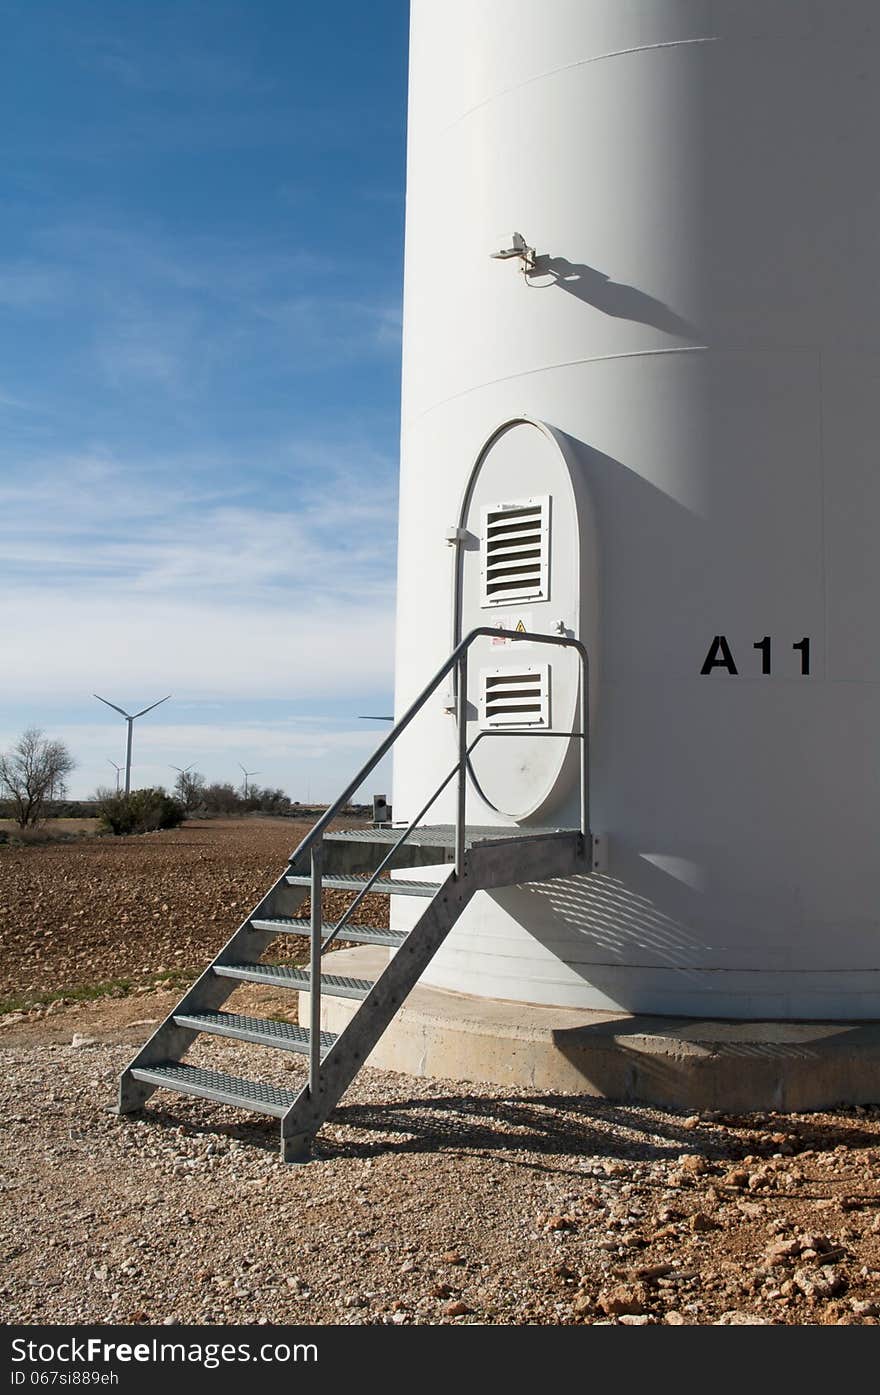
[(357, 860)]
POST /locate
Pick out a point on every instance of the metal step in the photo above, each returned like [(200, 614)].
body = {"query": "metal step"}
[(215, 1085), (300, 980), (358, 934), (285, 1036), (350, 849), (383, 835), (442, 836), (354, 881)]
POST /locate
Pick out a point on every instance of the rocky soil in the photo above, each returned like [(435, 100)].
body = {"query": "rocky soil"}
[(430, 1202)]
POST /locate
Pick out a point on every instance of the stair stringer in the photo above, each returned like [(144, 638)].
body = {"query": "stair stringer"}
[(170, 1042), (509, 863), (351, 1048)]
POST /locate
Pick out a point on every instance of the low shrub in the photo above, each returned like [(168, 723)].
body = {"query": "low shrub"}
[(142, 811)]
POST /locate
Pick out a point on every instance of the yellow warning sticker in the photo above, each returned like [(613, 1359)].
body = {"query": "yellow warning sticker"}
[(510, 624)]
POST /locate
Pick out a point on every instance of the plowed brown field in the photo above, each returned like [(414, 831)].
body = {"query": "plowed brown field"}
[(100, 910)]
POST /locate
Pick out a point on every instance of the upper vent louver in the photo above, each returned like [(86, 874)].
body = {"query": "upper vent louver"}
[(516, 551)]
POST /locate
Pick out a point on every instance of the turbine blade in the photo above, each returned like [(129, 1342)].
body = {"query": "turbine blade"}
[(145, 710), (111, 704)]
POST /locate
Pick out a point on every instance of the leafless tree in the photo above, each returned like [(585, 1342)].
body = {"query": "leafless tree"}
[(31, 770), (189, 788)]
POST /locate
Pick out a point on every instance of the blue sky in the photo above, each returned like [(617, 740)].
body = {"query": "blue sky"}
[(200, 284)]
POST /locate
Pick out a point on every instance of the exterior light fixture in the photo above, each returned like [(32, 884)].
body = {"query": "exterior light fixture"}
[(518, 248)]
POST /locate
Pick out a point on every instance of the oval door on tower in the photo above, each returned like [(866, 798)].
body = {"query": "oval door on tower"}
[(526, 563)]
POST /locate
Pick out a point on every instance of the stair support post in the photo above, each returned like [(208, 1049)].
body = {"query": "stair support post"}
[(584, 713), (461, 802), (315, 993)]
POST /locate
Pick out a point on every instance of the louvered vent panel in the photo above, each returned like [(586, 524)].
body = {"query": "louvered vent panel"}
[(516, 551), (516, 697)]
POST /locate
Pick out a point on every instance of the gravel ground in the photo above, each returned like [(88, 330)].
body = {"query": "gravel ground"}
[(430, 1202)]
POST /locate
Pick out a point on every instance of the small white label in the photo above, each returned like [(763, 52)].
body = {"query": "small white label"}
[(515, 621)]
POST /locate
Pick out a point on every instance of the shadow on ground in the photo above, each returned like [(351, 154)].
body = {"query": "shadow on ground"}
[(556, 1126)]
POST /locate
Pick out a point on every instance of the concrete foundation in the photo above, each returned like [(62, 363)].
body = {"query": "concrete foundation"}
[(683, 1063)]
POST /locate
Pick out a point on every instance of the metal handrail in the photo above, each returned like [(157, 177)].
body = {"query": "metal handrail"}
[(312, 843), (365, 890), (385, 746)]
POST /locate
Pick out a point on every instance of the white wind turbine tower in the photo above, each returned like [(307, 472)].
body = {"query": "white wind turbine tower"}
[(131, 718)]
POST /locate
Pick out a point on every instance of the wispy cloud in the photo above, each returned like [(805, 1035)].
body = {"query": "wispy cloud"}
[(179, 314), (200, 314), (168, 528), (16, 404), (33, 285), (136, 576), (333, 326), (167, 69)]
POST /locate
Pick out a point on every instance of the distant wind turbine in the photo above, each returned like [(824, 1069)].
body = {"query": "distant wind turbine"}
[(131, 718), (247, 776)]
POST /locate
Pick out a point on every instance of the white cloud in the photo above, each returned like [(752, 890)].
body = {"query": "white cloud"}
[(172, 312), (308, 757), (302, 738), (170, 68), (129, 578), (69, 645), (257, 572), (157, 348), (89, 517)]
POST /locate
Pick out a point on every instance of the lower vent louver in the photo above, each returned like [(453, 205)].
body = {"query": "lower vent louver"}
[(515, 697)]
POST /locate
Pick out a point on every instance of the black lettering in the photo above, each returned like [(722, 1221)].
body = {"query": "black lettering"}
[(764, 646), (719, 656), (804, 648)]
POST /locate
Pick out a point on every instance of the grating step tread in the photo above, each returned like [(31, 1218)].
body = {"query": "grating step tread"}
[(341, 984), (359, 934), (443, 835), (288, 976), (385, 836), (218, 1086), (356, 881), (285, 1036)]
